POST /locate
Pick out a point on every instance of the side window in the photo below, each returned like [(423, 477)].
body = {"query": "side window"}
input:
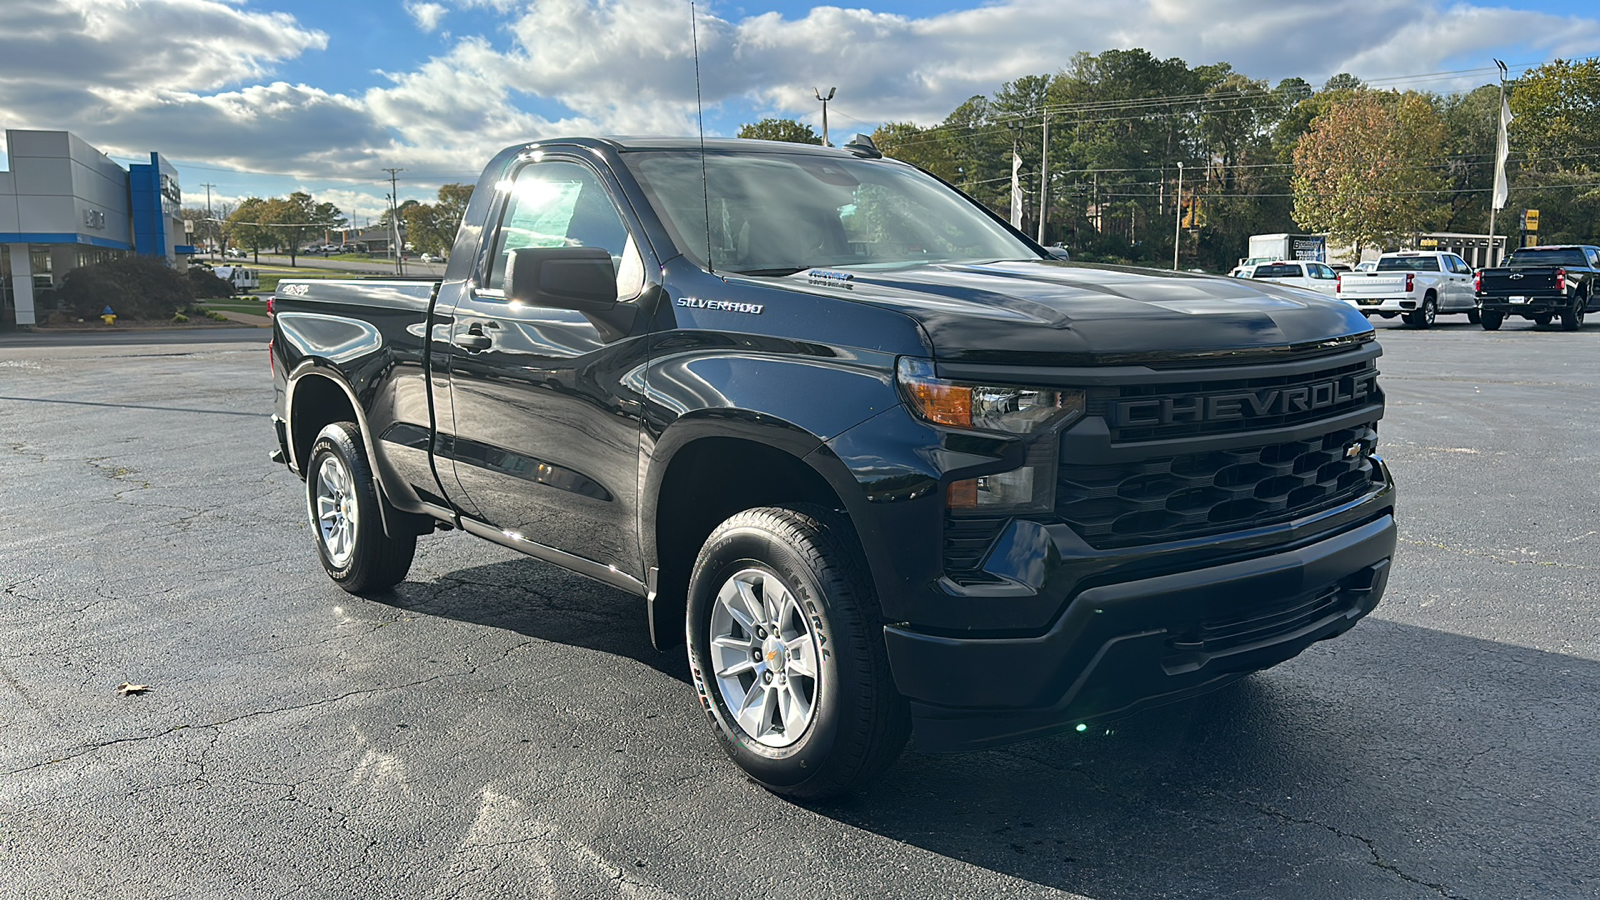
[(1594, 258), (562, 204), (1323, 272), (1459, 266)]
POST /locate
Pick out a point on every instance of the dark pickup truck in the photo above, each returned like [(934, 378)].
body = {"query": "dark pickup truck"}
[(1542, 284), (884, 462)]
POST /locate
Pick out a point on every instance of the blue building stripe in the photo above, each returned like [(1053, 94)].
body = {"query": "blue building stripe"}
[(65, 237)]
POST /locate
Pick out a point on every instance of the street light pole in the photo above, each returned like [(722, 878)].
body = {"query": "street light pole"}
[(825, 100), (1177, 223)]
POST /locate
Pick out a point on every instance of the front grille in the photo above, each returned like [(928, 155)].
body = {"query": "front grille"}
[(1102, 401), (1245, 627), (1199, 494)]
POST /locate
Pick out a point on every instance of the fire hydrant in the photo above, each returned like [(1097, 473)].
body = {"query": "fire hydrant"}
[(108, 316)]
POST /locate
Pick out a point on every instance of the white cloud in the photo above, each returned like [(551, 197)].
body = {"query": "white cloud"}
[(196, 79), (427, 15)]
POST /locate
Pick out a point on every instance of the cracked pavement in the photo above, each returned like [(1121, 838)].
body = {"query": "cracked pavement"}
[(499, 728)]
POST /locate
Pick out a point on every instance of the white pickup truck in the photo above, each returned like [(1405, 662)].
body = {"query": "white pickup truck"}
[(1418, 285)]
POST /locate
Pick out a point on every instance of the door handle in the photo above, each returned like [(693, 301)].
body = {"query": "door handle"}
[(473, 339)]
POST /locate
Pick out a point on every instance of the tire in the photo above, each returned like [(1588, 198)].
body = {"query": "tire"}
[(1387, 315), (782, 613), (1572, 318), (343, 504), (1542, 319), (1491, 320), (1474, 316), (1424, 316)]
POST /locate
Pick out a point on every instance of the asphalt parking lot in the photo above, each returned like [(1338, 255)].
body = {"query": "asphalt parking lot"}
[(498, 728)]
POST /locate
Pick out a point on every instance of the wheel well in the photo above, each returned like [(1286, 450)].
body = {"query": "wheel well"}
[(706, 483), (318, 402)]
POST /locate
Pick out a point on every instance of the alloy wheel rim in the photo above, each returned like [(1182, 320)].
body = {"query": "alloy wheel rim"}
[(765, 658), (337, 514)]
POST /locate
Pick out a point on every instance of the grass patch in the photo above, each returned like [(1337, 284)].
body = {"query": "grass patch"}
[(247, 305)]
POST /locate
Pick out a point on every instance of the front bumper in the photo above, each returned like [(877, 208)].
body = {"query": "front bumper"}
[(1121, 647)]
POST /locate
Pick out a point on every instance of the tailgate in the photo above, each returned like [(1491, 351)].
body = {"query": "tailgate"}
[(1503, 282), (1385, 284)]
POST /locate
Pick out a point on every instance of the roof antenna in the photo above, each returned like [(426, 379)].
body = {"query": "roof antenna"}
[(700, 113)]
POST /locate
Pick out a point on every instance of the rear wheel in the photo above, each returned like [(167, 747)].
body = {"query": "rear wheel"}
[(1424, 316), (786, 649), (1474, 316), (343, 502), (1491, 320), (1572, 317)]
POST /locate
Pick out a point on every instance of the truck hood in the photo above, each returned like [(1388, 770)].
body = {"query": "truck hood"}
[(1052, 313)]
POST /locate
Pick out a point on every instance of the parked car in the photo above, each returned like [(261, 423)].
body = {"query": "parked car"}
[(1418, 285), (1366, 265), (1312, 276), (887, 465), (1541, 283), (430, 258)]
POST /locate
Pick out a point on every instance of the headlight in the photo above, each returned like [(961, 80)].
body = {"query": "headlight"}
[(1011, 409)]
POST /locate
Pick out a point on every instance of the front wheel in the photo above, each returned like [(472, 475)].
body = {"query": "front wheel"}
[(786, 649), (343, 503), (1491, 319)]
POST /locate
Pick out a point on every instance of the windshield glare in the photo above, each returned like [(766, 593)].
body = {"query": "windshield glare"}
[(773, 214)]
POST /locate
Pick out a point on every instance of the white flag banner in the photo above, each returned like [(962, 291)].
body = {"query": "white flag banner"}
[(1502, 150), (1016, 188)]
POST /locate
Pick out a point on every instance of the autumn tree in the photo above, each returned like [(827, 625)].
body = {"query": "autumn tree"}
[(432, 227), (787, 130), (1365, 173), (296, 218)]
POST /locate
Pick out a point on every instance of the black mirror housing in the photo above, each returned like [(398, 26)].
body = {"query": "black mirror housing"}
[(577, 278)]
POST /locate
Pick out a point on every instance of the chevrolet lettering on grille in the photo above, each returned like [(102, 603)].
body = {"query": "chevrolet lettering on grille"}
[(1243, 404)]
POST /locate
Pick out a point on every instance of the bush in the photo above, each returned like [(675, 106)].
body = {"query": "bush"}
[(179, 318), (136, 287), (206, 283)]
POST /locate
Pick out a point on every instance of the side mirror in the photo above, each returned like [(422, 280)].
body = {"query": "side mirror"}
[(577, 278)]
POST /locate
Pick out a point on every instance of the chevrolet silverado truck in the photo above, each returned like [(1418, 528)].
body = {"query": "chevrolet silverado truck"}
[(1542, 284), (878, 460), (1418, 285)]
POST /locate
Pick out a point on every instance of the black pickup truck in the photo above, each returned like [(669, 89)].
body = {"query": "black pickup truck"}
[(884, 462), (1542, 284)]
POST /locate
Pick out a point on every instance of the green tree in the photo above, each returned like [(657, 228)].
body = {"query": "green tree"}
[(780, 130), (921, 147), (247, 227), (1364, 172)]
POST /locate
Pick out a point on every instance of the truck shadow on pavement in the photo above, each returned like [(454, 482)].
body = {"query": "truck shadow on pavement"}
[(1384, 764)]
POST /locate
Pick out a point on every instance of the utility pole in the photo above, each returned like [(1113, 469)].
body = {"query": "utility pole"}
[(394, 222), (825, 100), (211, 225), (1499, 117), (1044, 177), (1177, 223)]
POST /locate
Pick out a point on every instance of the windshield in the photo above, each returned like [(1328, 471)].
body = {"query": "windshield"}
[(1530, 256), (1277, 271), (1408, 264), (774, 214)]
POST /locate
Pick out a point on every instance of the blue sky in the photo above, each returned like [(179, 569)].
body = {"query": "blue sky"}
[(268, 96)]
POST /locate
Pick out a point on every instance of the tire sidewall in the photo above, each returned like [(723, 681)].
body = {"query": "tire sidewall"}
[(747, 547), (335, 440)]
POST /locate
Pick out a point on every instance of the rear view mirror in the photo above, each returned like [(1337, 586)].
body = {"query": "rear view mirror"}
[(577, 278)]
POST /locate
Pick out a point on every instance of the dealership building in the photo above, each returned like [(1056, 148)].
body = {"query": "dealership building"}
[(64, 204)]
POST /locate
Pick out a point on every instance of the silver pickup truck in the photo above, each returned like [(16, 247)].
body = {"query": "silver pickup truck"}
[(1419, 285)]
